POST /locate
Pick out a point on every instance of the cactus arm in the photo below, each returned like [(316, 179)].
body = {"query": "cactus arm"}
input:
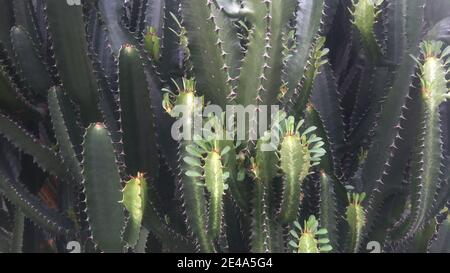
[(253, 65), (62, 135), (103, 189), (195, 205), (74, 66), (280, 12), (390, 115), (329, 208), (295, 165), (365, 14), (206, 50), (18, 229), (11, 100), (137, 119), (25, 142), (30, 64), (356, 220), (33, 208), (215, 184), (135, 201), (428, 158), (388, 194), (303, 95), (308, 24), (193, 191), (297, 153)]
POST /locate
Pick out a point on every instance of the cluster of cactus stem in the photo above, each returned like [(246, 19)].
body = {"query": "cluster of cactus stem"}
[(90, 96)]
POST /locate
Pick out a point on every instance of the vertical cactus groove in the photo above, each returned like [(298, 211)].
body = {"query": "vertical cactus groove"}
[(191, 185), (103, 189)]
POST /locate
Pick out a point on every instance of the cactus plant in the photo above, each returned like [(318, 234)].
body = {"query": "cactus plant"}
[(105, 140)]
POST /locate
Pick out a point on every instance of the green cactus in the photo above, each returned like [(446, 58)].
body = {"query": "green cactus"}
[(311, 239), (111, 134)]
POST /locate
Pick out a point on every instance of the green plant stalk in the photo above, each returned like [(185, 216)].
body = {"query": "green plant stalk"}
[(216, 186), (136, 202), (103, 189), (356, 219), (295, 163), (193, 191), (364, 18)]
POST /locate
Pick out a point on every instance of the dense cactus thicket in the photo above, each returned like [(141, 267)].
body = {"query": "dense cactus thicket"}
[(90, 94)]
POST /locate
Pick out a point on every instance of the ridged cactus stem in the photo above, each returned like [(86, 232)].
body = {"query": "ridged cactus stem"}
[(365, 16), (428, 157), (311, 239), (298, 154), (356, 220), (214, 180), (192, 186), (103, 189)]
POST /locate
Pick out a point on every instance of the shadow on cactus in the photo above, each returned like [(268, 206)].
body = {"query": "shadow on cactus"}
[(226, 126)]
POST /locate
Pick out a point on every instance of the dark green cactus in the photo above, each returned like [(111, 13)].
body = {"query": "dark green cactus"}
[(91, 97)]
